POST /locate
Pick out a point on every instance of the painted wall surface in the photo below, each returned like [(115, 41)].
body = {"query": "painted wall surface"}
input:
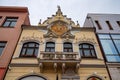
[(84, 73), (11, 35), (36, 34), (2, 71)]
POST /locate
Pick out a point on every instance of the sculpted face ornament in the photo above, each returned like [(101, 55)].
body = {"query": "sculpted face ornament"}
[(59, 28)]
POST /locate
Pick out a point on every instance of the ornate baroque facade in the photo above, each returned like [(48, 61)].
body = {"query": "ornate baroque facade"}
[(57, 49)]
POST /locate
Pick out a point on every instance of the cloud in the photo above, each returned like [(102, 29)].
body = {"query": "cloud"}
[(75, 9)]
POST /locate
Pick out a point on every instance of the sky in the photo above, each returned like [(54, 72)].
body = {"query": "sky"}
[(77, 10)]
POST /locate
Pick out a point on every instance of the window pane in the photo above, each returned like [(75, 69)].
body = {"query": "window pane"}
[(23, 51), (108, 47), (87, 53), (93, 53), (12, 24), (65, 50), (2, 46), (115, 36), (113, 58), (29, 52), (2, 43), (6, 24), (81, 52), (80, 46), (50, 45), (31, 44), (104, 36), (52, 50), (36, 52), (85, 46), (47, 50), (67, 45), (1, 49), (117, 43), (37, 45), (11, 19), (70, 50), (91, 47), (33, 78)]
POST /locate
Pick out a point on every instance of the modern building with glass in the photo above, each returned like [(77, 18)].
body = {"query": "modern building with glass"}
[(108, 33)]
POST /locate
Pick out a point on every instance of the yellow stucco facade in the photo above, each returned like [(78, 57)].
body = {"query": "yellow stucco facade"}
[(70, 65)]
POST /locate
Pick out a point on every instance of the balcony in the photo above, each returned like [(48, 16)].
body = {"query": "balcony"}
[(61, 59)]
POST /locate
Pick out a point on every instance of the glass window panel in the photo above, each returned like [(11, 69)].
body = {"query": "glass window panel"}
[(80, 46), (50, 45), (2, 43), (33, 78), (47, 50), (87, 53), (104, 36), (108, 47), (91, 46), (93, 53), (11, 19), (30, 51), (70, 50), (52, 50), (36, 52), (31, 44), (25, 45), (37, 45), (113, 58), (65, 50), (117, 43), (115, 36), (12, 24), (67, 45), (1, 49), (85, 46), (81, 53), (6, 24), (23, 51)]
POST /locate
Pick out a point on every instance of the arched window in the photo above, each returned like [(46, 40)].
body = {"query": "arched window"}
[(68, 47), (94, 78), (87, 50), (33, 77), (29, 49), (50, 47)]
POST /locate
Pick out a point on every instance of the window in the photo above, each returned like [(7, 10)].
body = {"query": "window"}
[(109, 25), (33, 77), (10, 22), (118, 22), (97, 23), (111, 46), (94, 78), (29, 49), (68, 47), (50, 47), (0, 17), (87, 50), (2, 46)]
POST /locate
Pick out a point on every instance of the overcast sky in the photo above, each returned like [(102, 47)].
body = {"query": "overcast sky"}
[(75, 9)]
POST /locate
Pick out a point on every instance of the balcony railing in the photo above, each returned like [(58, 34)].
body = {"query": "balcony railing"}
[(59, 55)]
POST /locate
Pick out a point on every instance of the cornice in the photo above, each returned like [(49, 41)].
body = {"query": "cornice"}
[(13, 9)]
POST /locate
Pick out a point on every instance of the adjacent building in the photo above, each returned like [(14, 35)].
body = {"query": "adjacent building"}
[(108, 32), (57, 49), (11, 20)]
